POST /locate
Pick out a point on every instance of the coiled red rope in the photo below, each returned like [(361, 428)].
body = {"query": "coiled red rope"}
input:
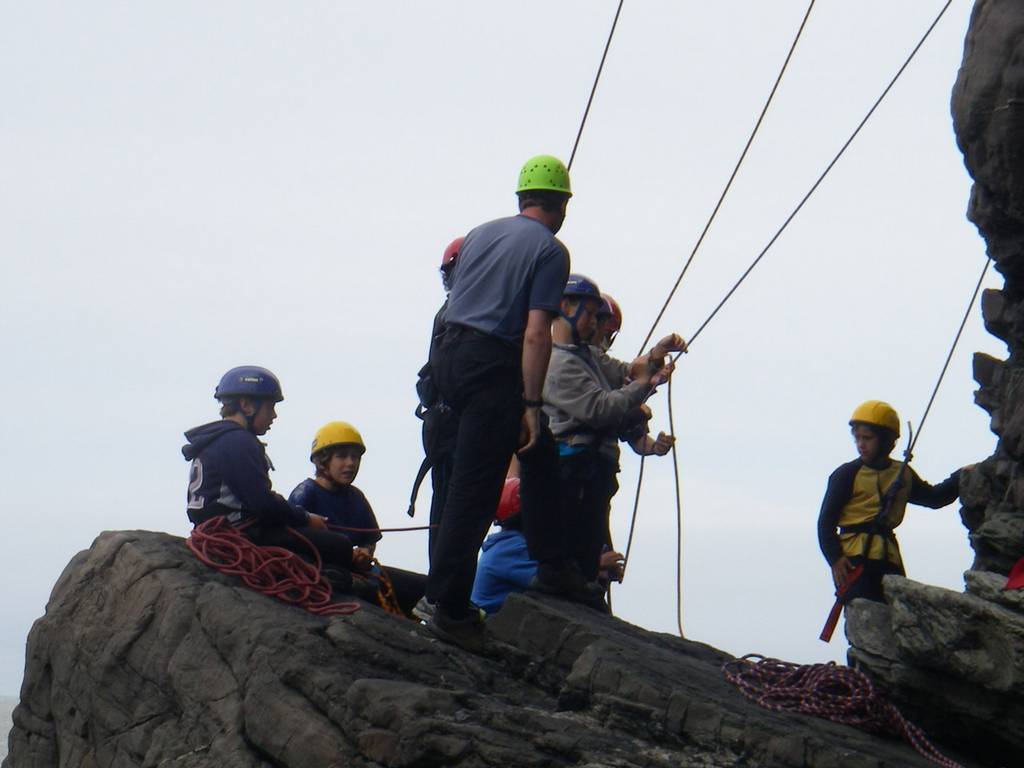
[(273, 571), (840, 694)]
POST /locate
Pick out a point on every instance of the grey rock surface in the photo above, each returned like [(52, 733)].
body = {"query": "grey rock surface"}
[(988, 115), (989, 586), (147, 658), (953, 663)]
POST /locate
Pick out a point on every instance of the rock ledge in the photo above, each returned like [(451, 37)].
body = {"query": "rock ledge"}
[(147, 658)]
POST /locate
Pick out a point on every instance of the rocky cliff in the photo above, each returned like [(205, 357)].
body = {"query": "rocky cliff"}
[(955, 662), (147, 658)]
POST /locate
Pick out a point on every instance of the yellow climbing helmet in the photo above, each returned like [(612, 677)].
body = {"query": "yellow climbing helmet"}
[(336, 433), (878, 414), (544, 172)]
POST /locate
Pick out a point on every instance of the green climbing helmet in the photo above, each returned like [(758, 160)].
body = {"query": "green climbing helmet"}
[(544, 172)]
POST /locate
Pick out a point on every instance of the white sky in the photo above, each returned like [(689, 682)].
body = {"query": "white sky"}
[(191, 186)]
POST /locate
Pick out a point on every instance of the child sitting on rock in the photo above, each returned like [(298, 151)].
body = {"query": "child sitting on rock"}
[(229, 476), (337, 453)]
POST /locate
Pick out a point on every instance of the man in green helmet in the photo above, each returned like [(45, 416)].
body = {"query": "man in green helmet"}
[(489, 364)]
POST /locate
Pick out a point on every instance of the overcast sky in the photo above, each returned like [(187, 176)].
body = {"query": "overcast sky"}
[(192, 186)]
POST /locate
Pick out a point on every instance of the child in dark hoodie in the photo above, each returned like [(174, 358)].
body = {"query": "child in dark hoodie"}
[(230, 475)]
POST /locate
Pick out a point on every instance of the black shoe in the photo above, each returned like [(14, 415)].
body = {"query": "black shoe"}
[(567, 582), (340, 580), (424, 609), (364, 588), (469, 633)]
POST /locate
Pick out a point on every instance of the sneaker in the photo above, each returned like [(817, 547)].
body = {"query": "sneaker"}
[(470, 633), (424, 609)]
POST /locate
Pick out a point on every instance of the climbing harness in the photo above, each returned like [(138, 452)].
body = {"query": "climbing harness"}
[(437, 418), (273, 571), (386, 598), (840, 694), (593, 89), (877, 527)]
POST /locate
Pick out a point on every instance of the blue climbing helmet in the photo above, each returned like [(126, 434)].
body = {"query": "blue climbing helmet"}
[(249, 381), (579, 287)]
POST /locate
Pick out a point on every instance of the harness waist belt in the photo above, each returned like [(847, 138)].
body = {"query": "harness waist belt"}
[(865, 528)]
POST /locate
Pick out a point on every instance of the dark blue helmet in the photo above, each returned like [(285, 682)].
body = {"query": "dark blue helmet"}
[(581, 286), (249, 381)]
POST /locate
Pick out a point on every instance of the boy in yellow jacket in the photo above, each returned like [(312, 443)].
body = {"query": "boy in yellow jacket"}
[(851, 529)]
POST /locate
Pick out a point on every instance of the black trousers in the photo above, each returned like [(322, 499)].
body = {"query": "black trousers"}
[(439, 436), (544, 522), (587, 484), (335, 549), (409, 587), (480, 377), (869, 585)]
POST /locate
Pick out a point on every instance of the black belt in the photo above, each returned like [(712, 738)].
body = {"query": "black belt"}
[(865, 528), (456, 332)]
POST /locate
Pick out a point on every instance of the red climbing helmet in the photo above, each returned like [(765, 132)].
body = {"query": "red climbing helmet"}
[(509, 505), (614, 322), (451, 253)]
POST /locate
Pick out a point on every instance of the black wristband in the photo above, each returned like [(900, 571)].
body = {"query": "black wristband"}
[(533, 403)]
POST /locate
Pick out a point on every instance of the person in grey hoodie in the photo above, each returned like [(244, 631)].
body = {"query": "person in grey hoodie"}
[(591, 401)]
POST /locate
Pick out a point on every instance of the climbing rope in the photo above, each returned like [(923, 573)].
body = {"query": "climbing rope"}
[(732, 177), (767, 247), (273, 571), (679, 516), (668, 300), (350, 529), (636, 508), (949, 357), (593, 89), (821, 178), (840, 694)]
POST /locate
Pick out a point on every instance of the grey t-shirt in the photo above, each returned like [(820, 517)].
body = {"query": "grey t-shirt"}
[(507, 267)]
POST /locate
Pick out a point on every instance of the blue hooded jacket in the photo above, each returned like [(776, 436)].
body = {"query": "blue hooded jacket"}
[(504, 567), (230, 476)]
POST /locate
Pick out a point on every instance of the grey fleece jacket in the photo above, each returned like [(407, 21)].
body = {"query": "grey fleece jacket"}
[(586, 396)]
